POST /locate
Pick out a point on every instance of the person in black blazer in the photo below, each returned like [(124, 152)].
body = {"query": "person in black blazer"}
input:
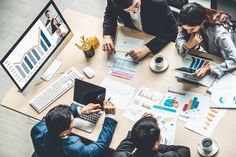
[(150, 16), (145, 137)]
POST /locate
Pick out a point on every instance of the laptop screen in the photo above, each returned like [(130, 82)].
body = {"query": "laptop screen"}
[(85, 92)]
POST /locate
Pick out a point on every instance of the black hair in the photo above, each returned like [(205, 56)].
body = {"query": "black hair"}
[(194, 14), (122, 4), (145, 133), (191, 14), (46, 12), (58, 119), (54, 27)]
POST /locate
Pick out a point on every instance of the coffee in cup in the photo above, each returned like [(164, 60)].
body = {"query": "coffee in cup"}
[(159, 62), (206, 145)]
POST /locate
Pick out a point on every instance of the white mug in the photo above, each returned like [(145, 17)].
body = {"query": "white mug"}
[(159, 62), (206, 145)]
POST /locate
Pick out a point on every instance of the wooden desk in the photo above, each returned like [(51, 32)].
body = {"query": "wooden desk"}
[(82, 24)]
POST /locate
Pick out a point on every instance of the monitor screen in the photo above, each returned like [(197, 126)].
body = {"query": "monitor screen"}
[(35, 46)]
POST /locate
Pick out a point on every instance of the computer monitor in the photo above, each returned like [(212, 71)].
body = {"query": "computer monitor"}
[(37, 47)]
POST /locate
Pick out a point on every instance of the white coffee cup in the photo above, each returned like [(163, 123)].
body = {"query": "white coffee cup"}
[(206, 145), (159, 62)]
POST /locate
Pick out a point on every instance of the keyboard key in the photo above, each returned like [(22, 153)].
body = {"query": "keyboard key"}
[(57, 89)]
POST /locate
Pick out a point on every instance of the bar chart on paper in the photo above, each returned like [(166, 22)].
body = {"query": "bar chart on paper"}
[(207, 122), (187, 104), (30, 54)]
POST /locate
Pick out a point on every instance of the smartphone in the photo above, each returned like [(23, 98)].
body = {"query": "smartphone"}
[(186, 70)]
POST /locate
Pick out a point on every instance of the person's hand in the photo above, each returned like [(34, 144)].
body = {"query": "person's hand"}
[(138, 53), (90, 108), (147, 114), (108, 45), (200, 73), (194, 40), (109, 107)]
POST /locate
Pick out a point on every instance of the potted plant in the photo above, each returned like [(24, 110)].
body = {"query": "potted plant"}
[(89, 45)]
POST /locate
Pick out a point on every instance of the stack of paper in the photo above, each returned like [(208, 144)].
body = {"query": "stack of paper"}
[(195, 63)]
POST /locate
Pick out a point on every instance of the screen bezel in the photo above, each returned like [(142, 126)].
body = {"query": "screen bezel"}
[(81, 88), (51, 2), (186, 70)]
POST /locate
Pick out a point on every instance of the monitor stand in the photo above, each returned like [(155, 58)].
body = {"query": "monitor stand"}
[(52, 69)]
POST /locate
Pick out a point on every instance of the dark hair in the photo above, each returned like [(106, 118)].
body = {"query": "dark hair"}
[(54, 27), (194, 14), (46, 12), (145, 133), (58, 119), (122, 4)]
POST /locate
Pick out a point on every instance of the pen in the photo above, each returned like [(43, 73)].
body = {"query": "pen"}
[(109, 99)]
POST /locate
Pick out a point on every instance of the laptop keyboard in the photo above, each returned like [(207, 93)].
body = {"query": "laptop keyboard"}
[(93, 117)]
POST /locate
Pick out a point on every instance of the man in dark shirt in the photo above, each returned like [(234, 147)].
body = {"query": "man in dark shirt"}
[(145, 137), (150, 16), (51, 136)]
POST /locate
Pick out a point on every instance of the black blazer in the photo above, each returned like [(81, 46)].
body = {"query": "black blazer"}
[(157, 19), (126, 147)]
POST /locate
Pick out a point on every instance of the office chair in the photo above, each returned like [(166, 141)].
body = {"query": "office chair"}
[(227, 6), (34, 155), (176, 5)]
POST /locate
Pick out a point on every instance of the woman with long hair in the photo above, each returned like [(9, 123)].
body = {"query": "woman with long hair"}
[(54, 25), (207, 30)]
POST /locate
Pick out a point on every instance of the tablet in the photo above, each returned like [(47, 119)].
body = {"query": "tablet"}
[(186, 70)]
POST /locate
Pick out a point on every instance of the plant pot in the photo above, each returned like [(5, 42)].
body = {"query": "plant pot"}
[(90, 53)]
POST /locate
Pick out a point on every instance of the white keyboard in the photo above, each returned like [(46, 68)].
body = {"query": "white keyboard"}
[(53, 92)]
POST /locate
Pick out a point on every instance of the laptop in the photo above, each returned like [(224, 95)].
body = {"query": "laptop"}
[(85, 93)]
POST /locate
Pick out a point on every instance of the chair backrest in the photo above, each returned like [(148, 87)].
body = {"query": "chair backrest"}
[(34, 155), (177, 3)]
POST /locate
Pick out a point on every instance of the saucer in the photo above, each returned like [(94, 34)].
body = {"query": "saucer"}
[(215, 149), (154, 68)]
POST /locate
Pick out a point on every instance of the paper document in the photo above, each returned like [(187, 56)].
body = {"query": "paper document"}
[(187, 104), (206, 123), (122, 66), (125, 44), (224, 96), (225, 79), (142, 102), (120, 94), (167, 125)]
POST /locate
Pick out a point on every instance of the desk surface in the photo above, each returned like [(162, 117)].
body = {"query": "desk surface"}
[(71, 56)]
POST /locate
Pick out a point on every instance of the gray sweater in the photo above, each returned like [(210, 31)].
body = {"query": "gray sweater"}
[(217, 41)]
